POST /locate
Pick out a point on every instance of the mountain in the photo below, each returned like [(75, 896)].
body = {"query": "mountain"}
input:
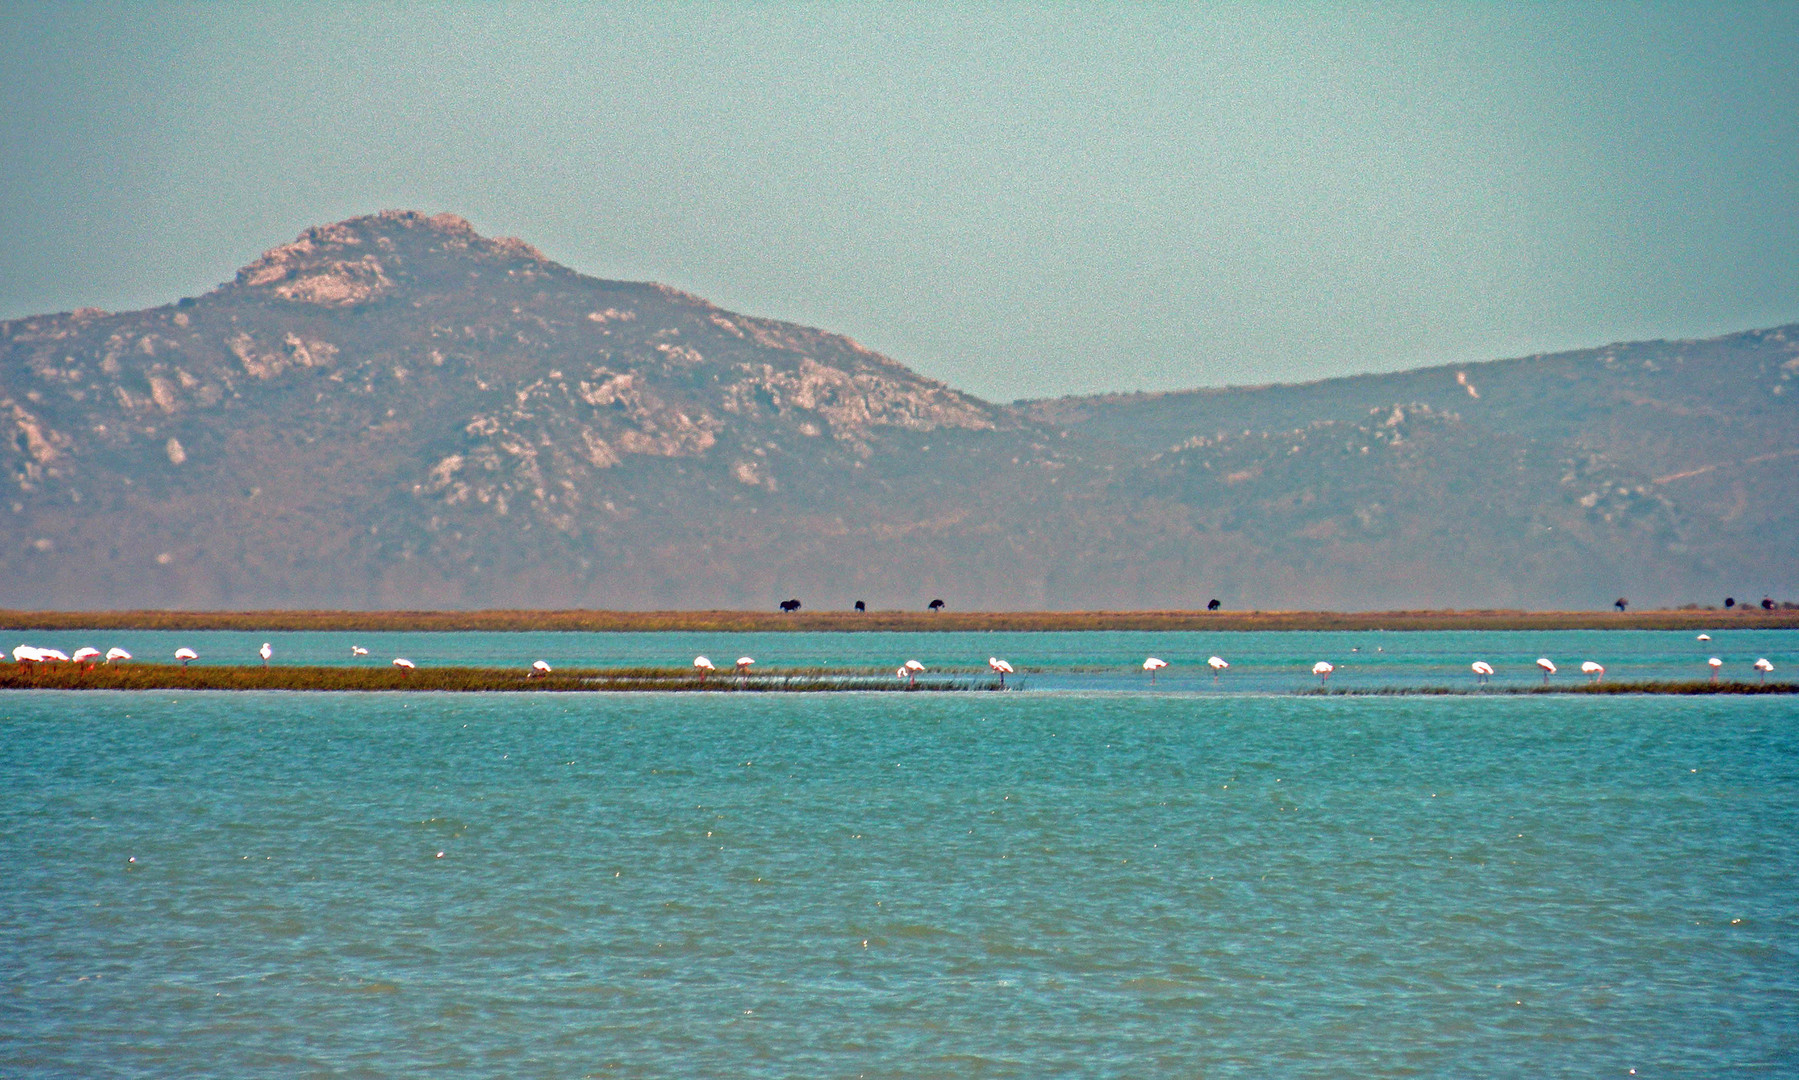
[(395, 411)]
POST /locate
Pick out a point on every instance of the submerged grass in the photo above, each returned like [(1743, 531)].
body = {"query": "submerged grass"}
[(1647, 686), (848, 621), (137, 676)]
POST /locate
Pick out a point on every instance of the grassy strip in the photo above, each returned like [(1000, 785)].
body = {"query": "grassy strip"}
[(905, 621), (137, 676), (1696, 686)]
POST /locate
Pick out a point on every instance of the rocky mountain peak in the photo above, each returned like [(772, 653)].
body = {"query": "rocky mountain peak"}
[(363, 259)]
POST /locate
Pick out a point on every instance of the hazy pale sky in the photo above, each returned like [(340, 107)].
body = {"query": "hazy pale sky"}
[(1021, 200)]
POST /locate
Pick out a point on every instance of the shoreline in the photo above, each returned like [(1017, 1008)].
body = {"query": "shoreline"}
[(888, 621), (139, 676)]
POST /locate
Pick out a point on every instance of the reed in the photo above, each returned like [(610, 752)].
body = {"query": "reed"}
[(902, 621), (137, 676)]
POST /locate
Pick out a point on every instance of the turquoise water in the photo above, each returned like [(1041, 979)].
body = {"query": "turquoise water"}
[(1261, 662), (1020, 885)]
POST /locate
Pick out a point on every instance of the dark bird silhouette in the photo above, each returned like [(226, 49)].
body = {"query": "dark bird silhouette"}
[(1767, 603), (861, 606), (790, 606), (1620, 603), (1213, 606), (936, 605), (1730, 602)]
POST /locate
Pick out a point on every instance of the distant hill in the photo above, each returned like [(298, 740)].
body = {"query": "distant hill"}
[(395, 412)]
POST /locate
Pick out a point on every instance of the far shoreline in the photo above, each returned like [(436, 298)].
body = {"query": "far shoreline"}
[(725, 621)]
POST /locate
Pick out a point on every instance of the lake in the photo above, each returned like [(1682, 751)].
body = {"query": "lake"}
[(1088, 882)]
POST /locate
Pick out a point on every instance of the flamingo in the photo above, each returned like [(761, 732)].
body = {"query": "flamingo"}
[(265, 652), (1761, 665), (1703, 637), (1482, 671), (357, 650), (186, 655), (1001, 668), (86, 656), (912, 670), (1323, 669), (27, 654), (1548, 667), (702, 665), (1714, 663), (54, 654), (116, 653), (1596, 670), (1217, 664), (743, 664), (1153, 665), (404, 665), (538, 667)]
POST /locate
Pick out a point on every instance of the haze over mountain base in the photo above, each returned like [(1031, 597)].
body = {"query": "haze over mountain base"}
[(395, 412)]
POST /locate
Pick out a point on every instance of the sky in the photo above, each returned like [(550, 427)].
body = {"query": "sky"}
[(1021, 200)]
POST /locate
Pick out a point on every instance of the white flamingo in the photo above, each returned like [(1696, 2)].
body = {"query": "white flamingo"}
[(703, 666), (86, 655), (357, 650), (1001, 668), (1703, 637), (1153, 665), (1482, 671), (744, 663), (1217, 664), (912, 669), (186, 656), (1596, 670), (539, 667), (116, 653), (56, 655), (1715, 664), (1323, 669), (1548, 667), (265, 652), (1761, 665), (404, 665), (27, 654)]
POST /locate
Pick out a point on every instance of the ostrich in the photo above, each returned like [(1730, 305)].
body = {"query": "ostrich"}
[(538, 667), (703, 665), (186, 656), (116, 653), (1596, 670), (935, 605), (1482, 671), (265, 652), (1323, 669), (1715, 664), (1548, 667), (1620, 604), (1153, 665), (1001, 668), (861, 605), (790, 606), (1767, 603), (1730, 602), (1763, 667), (1212, 605), (1217, 664)]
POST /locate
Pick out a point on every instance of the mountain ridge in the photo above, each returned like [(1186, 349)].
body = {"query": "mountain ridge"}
[(394, 411)]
